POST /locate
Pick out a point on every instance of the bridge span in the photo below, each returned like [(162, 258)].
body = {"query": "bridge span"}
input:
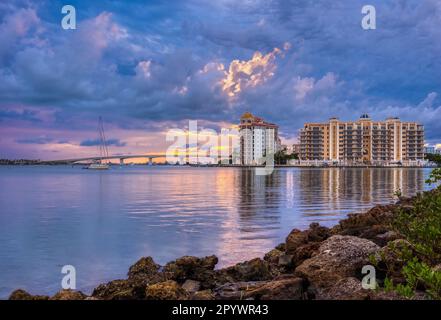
[(120, 157)]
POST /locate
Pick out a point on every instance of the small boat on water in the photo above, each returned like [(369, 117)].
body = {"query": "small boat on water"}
[(104, 153)]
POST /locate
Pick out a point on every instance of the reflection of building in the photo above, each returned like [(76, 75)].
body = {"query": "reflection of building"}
[(363, 141), (257, 139)]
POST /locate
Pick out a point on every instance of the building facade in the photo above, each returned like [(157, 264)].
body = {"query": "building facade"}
[(363, 141), (257, 139)]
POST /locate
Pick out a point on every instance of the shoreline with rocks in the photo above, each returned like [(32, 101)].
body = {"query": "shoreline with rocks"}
[(317, 263)]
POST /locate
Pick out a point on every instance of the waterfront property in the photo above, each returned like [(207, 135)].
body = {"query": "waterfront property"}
[(363, 141), (258, 138)]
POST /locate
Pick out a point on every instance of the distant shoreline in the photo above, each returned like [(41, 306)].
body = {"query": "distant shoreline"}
[(219, 166)]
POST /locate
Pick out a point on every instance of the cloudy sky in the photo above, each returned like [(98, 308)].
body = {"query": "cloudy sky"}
[(150, 66)]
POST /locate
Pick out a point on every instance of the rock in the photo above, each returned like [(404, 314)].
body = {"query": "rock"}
[(236, 290), (384, 238), (120, 290), (21, 294), (167, 290), (203, 295), (283, 289), (367, 225), (297, 238), (191, 286), (390, 260), (273, 256), (252, 270), (188, 267), (67, 294), (345, 289), (337, 257), (144, 267), (285, 260), (304, 252)]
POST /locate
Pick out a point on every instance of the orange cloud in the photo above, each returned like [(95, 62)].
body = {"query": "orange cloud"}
[(250, 73)]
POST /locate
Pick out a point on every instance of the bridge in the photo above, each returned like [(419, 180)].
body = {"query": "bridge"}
[(120, 157)]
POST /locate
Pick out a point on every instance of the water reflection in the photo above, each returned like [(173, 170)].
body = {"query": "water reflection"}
[(102, 222)]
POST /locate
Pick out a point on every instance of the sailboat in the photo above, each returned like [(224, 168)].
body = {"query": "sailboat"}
[(99, 164)]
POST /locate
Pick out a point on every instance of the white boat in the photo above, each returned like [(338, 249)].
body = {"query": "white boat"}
[(99, 164)]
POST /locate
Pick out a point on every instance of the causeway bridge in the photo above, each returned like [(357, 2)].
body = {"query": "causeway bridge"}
[(121, 158)]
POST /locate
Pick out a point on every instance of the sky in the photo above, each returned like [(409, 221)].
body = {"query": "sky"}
[(147, 67)]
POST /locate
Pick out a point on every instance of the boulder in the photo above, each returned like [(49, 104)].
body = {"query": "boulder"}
[(297, 238), (21, 294), (188, 267), (283, 289), (337, 257), (167, 290), (144, 267), (344, 289), (252, 270), (67, 294)]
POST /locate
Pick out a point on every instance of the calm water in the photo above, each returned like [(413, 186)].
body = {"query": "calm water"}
[(102, 222)]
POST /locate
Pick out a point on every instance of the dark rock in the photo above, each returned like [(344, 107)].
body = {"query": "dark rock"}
[(23, 295), (120, 290), (253, 270), (368, 225), (188, 267), (337, 257), (391, 259), (297, 238), (68, 295), (167, 290), (285, 261), (144, 267)]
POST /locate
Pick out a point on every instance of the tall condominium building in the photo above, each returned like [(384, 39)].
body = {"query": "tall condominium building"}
[(363, 141), (257, 139)]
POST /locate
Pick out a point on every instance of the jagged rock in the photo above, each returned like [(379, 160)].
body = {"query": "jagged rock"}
[(337, 257), (283, 289), (167, 290), (367, 225), (120, 290), (188, 267), (68, 295), (144, 267), (297, 238), (252, 270), (191, 286), (203, 295), (384, 238), (21, 294)]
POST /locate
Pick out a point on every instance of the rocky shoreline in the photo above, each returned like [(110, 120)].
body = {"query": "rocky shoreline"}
[(317, 263)]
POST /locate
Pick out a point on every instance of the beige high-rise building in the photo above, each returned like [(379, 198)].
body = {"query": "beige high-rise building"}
[(363, 141)]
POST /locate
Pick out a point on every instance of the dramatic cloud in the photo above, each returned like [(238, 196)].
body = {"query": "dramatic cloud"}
[(146, 67)]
